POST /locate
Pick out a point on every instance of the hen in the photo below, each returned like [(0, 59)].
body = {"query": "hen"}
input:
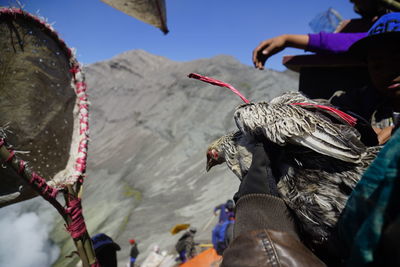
[(316, 154)]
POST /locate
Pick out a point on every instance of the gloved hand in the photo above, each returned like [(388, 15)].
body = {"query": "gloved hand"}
[(259, 179)]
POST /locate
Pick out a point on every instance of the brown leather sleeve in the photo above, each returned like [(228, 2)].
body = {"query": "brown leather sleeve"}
[(266, 235), (262, 211), (264, 248)]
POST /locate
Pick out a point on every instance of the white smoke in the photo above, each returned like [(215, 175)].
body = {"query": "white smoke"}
[(25, 236)]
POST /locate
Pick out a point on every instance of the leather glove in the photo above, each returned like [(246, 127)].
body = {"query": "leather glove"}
[(259, 179)]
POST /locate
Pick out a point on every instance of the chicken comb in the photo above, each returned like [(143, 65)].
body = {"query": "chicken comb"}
[(218, 83)]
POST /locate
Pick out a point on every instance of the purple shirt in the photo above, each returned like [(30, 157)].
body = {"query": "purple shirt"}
[(332, 43)]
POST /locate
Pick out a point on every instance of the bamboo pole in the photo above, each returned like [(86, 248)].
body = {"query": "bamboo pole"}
[(26, 175)]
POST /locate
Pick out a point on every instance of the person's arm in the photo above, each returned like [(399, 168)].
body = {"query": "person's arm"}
[(332, 43), (322, 42), (264, 232), (270, 47)]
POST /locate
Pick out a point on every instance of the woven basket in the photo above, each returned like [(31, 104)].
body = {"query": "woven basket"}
[(43, 105)]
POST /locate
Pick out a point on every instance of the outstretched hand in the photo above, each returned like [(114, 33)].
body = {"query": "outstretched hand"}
[(274, 45), (266, 49)]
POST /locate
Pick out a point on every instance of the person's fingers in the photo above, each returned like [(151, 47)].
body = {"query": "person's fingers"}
[(270, 50), (385, 135), (264, 54), (257, 52), (265, 50), (255, 58), (259, 59), (377, 130), (260, 62)]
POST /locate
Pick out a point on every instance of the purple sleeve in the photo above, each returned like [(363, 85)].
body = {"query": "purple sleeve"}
[(332, 43)]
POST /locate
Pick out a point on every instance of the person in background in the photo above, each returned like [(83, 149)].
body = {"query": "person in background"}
[(222, 235), (365, 101), (226, 210), (368, 101), (134, 252), (324, 42), (379, 49), (106, 250), (369, 227), (186, 245)]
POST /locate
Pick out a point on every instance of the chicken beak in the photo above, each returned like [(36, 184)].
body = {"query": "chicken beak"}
[(210, 163)]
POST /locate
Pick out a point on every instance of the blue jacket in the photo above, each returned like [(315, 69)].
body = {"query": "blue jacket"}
[(224, 214)]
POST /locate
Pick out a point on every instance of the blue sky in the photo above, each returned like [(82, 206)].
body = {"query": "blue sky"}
[(198, 29)]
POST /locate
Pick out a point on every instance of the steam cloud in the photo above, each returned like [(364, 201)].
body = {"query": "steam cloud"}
[(25, 237)]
